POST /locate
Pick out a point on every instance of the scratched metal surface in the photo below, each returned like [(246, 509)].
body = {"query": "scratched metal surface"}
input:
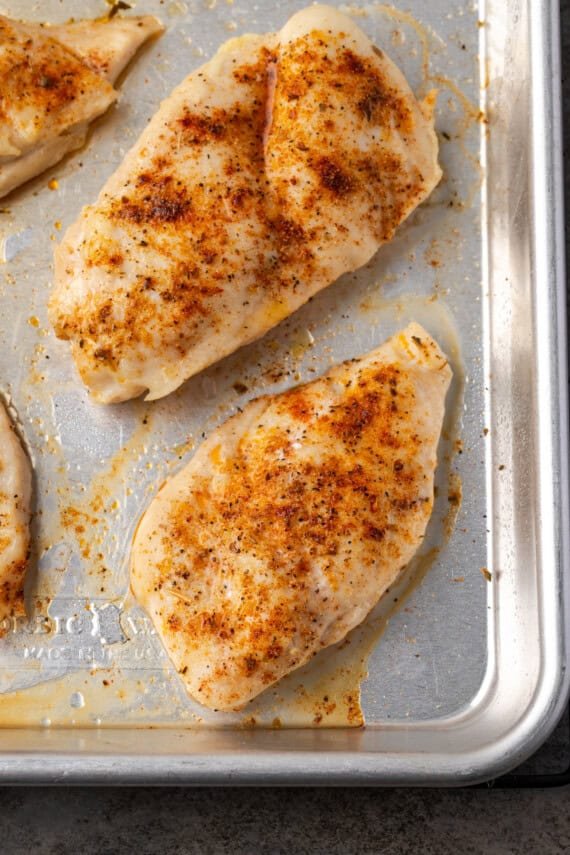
[(87, 655)]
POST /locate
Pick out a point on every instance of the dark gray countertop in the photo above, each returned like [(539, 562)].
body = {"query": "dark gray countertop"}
[(284, 822), (167, 821)]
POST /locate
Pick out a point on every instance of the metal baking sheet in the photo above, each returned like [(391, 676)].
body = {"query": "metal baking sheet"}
[(465, 674)]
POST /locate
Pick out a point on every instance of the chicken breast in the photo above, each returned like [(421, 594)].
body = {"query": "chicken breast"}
[(281, 164), (292, 520), (15, 499), (53, 82)]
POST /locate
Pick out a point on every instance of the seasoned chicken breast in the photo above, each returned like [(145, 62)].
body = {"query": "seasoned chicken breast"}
[(53, 82), (292, 519), (15, 499), (282, 163)]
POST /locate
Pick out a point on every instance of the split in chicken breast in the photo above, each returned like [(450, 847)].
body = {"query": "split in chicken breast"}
[(15, 500), (281, 164), (54, 80), (292, 520)]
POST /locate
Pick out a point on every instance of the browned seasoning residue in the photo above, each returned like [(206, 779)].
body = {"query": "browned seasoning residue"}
[(454, 498), (81, 524)]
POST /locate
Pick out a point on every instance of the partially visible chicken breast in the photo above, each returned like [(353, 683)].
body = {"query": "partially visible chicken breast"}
[(282, 163), (15, 500), (107, 46), (53, 82), (292, 520)]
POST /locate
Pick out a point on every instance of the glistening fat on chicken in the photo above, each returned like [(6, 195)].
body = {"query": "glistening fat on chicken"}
[(292, 519), (281, 164), (54, 80)]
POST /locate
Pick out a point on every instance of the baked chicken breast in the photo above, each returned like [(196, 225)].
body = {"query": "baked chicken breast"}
[(282, 163), (54, 80), (15, 499), (292, 520)]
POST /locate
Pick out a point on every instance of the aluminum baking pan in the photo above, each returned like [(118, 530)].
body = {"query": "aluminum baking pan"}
[(468, 675)]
